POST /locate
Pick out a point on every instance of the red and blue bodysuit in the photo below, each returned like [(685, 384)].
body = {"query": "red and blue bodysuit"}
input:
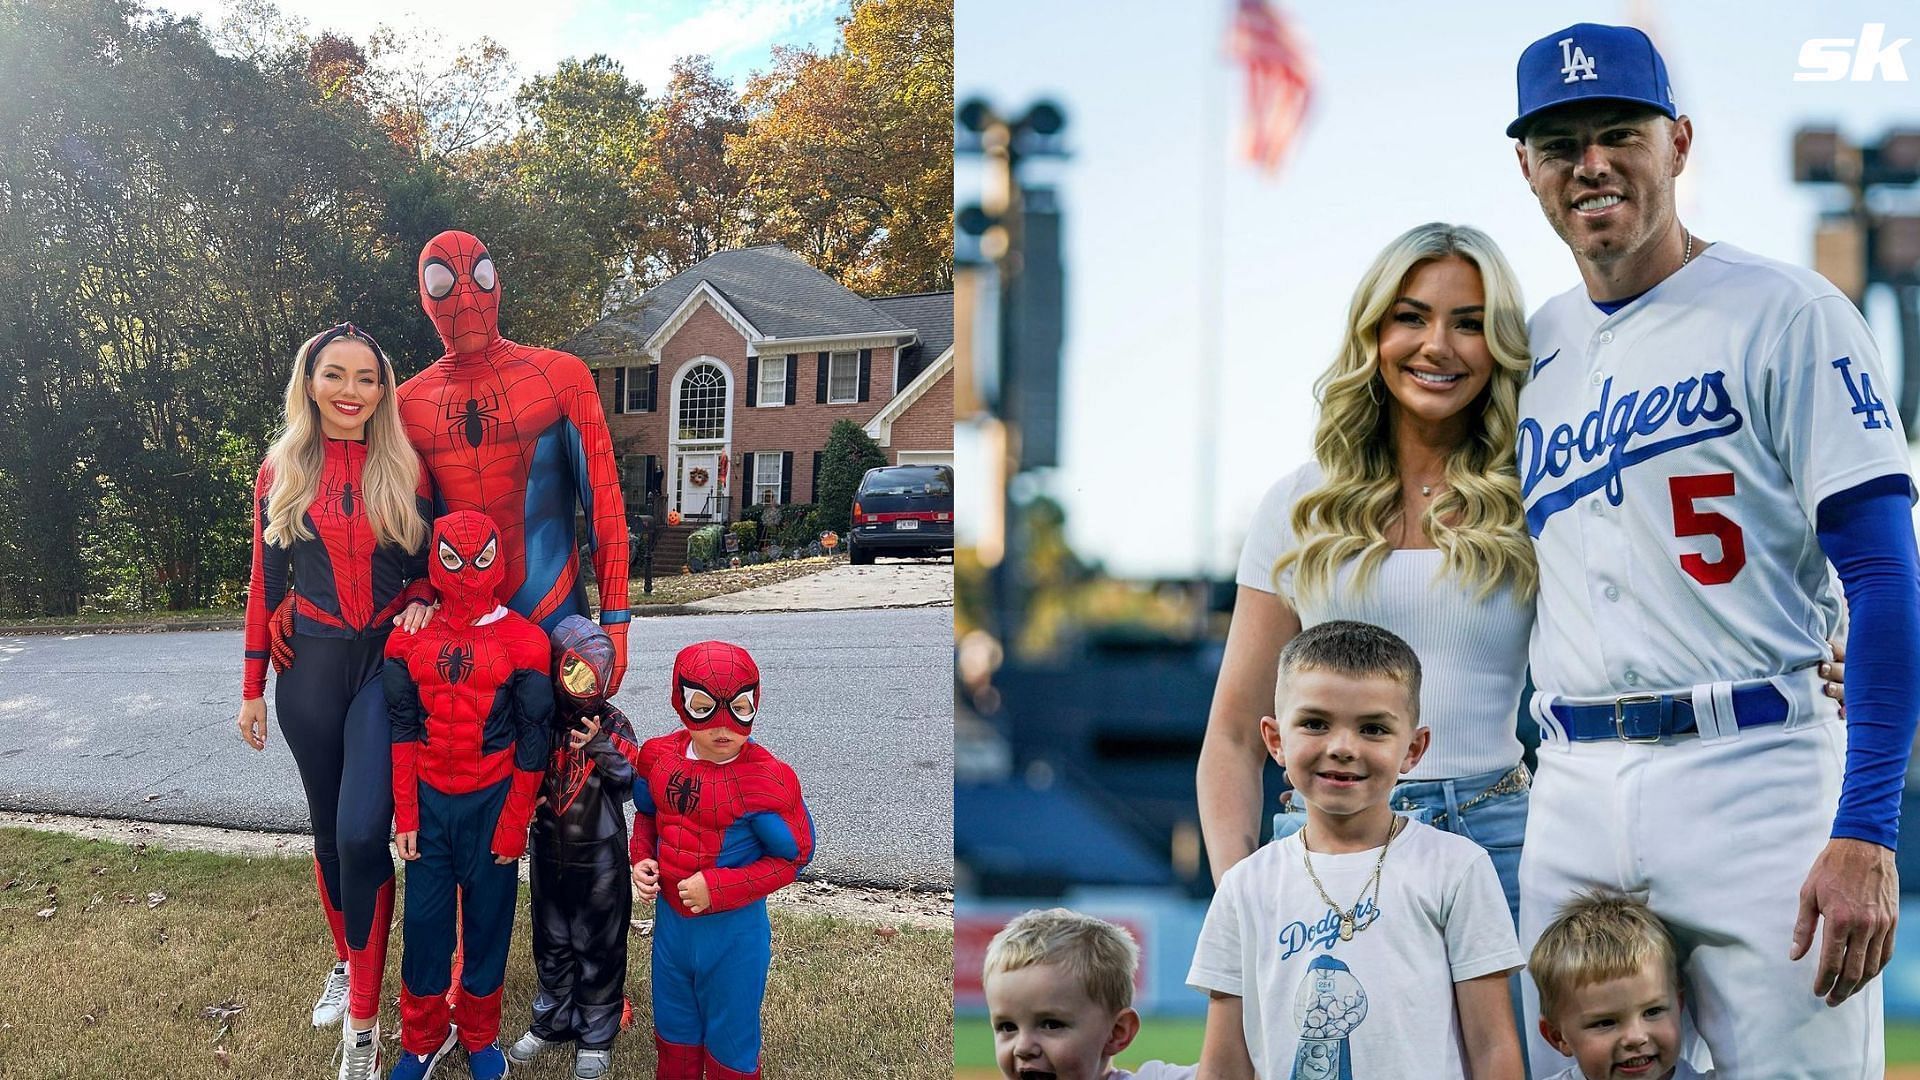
[(742, 826), (517, 433), (342, 589), (471, 703), (582, 898)]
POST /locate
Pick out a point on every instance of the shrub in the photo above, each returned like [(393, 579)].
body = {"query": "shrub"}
[(748, 532), (705, 542), (850, 452)]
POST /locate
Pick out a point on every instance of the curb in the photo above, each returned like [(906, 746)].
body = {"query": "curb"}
[(160, 627)]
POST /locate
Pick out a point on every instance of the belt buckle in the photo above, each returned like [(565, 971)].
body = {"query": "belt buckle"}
[(1620, 719)]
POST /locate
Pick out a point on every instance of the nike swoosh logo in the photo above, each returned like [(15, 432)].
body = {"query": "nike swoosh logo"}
[(1544, 361)]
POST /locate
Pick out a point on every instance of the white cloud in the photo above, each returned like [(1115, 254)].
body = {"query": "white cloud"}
[(738, 34)]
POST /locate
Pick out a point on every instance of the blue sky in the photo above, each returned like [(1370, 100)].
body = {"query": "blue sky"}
[(645, 36), (1411, 100)]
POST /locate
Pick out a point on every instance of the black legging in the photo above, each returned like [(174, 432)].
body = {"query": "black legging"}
[(333, 712)]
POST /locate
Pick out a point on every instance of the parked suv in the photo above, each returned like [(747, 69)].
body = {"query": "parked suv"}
[(902, 510)]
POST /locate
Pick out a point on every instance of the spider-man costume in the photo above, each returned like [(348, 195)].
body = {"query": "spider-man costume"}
[(582, 900), (345, 590), (471, 702), (742, 826), (517, 433)]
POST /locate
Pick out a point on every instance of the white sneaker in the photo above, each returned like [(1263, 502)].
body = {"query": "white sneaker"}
[(591, 1064), (332, 1006), (526, 1048), (360, 1053)]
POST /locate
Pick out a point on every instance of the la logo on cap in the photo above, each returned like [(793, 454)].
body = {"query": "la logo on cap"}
[(1575, 64)]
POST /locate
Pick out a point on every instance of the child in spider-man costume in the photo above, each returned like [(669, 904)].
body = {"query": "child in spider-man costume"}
[(581, 899), (471, 704), (719, 824), (517, 433)]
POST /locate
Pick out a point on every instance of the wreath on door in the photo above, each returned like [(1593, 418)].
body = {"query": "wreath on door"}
[(697, 477)]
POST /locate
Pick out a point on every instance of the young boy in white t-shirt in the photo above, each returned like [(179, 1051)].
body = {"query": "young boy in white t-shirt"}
[(1366, 944), (1609, 983), (1059, 989)]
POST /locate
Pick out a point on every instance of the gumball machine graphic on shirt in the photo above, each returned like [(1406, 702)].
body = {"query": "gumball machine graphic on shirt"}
[(1328, 1006)]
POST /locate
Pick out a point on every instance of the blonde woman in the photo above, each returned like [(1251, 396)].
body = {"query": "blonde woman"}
[(339, 534)]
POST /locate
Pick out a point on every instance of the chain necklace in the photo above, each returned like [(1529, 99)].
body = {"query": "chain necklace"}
[(1687, 257), (1350, 915)]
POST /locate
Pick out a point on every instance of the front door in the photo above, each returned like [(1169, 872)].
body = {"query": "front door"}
[(699, 481)]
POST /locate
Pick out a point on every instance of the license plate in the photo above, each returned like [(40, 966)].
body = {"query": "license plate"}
[(906, 523)]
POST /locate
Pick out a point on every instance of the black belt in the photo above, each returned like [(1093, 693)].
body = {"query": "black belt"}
[(1649, 718)]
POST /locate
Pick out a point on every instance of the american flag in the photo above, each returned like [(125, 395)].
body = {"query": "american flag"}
[(1279, 80)]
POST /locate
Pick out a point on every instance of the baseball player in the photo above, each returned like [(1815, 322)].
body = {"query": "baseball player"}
[(1702, 437)]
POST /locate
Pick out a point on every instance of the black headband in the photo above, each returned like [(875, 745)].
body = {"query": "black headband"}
[(345, 329)]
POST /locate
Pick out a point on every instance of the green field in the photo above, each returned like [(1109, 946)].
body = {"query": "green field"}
[(1178, 1040)]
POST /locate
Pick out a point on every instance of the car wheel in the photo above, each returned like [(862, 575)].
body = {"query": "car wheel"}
[(856, 556)]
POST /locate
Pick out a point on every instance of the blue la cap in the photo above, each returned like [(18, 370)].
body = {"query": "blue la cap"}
[(1591, 62)]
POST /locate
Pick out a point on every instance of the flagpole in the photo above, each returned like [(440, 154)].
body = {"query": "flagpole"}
[(1211, 306)]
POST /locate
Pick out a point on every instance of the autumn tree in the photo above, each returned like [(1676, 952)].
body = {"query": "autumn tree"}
[(693, 189)]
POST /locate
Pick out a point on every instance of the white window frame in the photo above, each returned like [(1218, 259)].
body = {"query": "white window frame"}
[(778, 397), (636, 372), (761, 485), (852, 357)]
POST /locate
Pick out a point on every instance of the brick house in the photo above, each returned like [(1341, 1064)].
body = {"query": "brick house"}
[(721, 383)]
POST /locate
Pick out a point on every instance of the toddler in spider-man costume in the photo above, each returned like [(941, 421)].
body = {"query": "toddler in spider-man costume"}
[(471, 701), (718, 825), (581, 899)]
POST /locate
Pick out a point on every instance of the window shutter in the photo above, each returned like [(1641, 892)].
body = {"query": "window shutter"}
[(753, 381), (820, 379), (866, 371), (815, 497), (619, 390), (653, 387), (793, 375), (748, 497), (786, 477)]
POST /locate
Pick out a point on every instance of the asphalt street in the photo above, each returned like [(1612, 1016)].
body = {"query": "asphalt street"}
[(860, 703)]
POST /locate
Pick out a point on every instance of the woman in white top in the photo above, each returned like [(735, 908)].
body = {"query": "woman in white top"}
[(1409, 518)]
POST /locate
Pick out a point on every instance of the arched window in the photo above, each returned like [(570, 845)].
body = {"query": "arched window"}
[(703, 403)]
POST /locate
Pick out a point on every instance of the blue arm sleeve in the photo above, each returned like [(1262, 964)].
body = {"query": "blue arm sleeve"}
[(1866, 531)]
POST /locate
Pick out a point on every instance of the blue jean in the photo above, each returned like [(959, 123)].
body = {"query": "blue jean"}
[(1497, 824)]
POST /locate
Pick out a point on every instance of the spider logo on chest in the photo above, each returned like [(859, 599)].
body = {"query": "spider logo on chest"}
[(683, 791), (455, 662), (473, 420)]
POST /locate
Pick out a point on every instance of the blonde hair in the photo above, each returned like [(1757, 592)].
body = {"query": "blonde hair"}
[(1598, 936), (1098, 955), (388, 479), (1477, 521)]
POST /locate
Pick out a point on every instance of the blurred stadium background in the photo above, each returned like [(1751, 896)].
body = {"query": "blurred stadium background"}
[(1147, 291)]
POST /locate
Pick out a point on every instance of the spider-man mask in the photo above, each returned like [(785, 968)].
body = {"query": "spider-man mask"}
[(460, 291), (466, 565), (582, 659), (716, 682)]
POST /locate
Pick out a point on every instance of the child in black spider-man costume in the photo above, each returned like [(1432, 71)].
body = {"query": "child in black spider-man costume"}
[(471, 702), (718, 825), (581, 899)]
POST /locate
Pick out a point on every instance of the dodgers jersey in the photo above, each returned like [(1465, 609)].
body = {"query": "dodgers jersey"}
[(1672, 458)]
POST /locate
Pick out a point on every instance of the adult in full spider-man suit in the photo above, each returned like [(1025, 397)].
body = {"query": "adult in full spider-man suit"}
[(720, 820), (581, 899), (517, 433), (471, 703)]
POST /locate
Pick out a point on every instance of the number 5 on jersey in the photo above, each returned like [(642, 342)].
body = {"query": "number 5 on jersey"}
[(1689, 521)]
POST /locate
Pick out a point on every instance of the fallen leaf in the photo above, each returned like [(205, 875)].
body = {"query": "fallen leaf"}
[(98, 871), (887, 933), (223, 1012), (155, 899), (224, 1056), (256, 912), (154, 797), (129, 898), (89, 1019), (11, 883), (45, 913), (162, 935)]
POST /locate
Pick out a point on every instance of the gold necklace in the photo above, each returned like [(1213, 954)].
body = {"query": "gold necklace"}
[(1349, 916)]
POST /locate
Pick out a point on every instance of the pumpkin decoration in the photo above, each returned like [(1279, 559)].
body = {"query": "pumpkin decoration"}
[(673, 517)]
